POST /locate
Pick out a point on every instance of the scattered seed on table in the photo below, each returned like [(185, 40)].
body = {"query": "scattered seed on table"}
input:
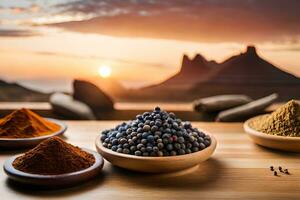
[(286, 171), (271, 168)]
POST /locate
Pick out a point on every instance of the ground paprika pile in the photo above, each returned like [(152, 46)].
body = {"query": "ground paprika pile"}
[(54, 156)]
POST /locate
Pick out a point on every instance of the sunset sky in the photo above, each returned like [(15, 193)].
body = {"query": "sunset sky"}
[(51, 41)]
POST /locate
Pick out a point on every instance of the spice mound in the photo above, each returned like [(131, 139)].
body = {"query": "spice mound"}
[(24, 123), (285, 121), (156, 133), (54, 156)]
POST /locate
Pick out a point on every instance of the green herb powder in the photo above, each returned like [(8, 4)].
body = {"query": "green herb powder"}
[(285, 121)]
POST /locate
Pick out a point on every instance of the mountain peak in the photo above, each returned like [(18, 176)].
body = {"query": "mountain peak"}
[(185, 60), (251, 50)]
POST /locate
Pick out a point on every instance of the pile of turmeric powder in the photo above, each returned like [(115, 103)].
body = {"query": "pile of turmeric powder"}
[(285, 121), (24, 123)]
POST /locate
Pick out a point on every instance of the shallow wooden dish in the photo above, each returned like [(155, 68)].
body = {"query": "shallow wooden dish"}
[(284, 143), (29, 142), (156, 164), (60, 180)]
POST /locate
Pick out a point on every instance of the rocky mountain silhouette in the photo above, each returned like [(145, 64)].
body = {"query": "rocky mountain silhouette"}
[(245, 73), (191, 72), (250, 68), (249, 74), (15, 92)]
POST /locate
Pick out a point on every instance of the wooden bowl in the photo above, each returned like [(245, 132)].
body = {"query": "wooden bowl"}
[(284, 143), (60, 180), (29, 142), (156, 164)]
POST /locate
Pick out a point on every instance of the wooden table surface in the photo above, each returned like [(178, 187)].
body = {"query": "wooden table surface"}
[(239, 169)]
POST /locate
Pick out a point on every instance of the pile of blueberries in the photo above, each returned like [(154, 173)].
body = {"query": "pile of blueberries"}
[(155, 133)]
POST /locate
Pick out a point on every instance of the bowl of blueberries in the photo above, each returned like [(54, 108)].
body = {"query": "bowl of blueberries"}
[(155, 142)]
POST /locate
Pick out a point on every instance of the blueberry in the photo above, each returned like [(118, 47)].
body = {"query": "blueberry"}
[(157, 109), (181, 152), (196, 144), (126, 145), (157, 116), (126, 151), (103, 137), (133, 148), (160, 145), (169, 147), (188, 151), (144, 141), (145, 135), (143, 149), (165, 141), (158, 133), (192, 138), (114, 148), (123, 141), (202, 146), (158, 123), (172, 115), (207, 142), (194, 149), (114, 142), (177, 146), (168, 130), (200, 139), (150, 138), (139, 146), (148, 149), (180, 140), (146, 128), (140, 130), (154, 128), (138, 153), (160, 154), (139, 117), (155, 149), (119, 150)]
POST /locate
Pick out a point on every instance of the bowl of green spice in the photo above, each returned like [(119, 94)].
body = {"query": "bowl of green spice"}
[(278, 130)]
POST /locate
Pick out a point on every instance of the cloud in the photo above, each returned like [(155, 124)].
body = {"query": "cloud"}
[(33, 8), (119, 60), (17, 33), (193, 20)]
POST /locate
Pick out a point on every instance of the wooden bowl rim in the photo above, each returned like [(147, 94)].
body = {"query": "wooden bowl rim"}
[(263, 135), (11, 171), (211, 148), (63, 128)]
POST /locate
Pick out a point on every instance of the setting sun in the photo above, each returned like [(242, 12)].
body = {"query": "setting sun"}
[(104, 71)]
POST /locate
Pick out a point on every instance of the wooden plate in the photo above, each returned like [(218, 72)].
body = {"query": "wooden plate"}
[(284, 143), (156, 164), (28, 142), (54, 180)]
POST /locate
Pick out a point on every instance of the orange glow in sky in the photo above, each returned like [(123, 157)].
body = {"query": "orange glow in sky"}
[(34, 46)]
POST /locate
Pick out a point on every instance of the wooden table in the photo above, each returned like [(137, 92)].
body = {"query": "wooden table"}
[(239, 169)]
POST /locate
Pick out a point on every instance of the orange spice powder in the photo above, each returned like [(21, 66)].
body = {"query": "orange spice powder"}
[(24, 123)]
